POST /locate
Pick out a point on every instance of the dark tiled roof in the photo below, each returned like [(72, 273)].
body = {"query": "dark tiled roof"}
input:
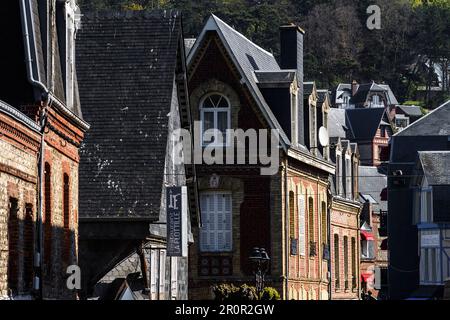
[(372, 181), (126, 67), (361, 94), (413, 111), (364, 122), (249, 58), (436, 166), (435, 123), (336, 123), (322, 95), (308, 87)]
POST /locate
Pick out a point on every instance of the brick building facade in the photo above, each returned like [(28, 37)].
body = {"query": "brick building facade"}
[(234, 84), (41, 135)]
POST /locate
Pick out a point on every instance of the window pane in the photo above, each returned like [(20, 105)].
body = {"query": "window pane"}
[(208, 103), (215, 99), (208, 123), (222, 124)]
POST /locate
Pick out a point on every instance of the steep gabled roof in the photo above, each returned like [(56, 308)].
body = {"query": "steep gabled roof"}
[(371, 182), (364, 122), (336, 123), (435, 123), (126, 68), (411, 111), (248, 58), (436, 166)]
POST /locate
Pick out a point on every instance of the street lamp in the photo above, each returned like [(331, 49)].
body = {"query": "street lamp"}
[(260, 260)]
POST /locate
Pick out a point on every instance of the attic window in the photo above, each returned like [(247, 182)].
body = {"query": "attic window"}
[(215, 119)]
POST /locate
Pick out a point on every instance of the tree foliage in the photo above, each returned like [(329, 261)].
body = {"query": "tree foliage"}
[(414, 35)]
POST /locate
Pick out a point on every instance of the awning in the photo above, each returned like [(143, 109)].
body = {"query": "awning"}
[(367, 235), (366, 276)]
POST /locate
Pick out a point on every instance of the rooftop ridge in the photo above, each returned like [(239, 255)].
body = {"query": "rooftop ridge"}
[(240, 35)]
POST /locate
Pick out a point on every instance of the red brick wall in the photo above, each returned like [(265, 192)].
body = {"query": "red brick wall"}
[(345, 224), (251, 218)]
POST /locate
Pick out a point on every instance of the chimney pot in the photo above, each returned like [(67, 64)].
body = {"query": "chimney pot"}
[(354, 87)]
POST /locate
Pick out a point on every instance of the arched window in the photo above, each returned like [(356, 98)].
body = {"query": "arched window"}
[(215, 117), (13, 248), (324, 223), (47, 214), (66, 213), (28, 239), (353, 253), (346, 262), (337, 269), (311, 219), (292, 214)]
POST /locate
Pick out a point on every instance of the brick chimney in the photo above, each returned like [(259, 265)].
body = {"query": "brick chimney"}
[(354, 87), (291, 57)]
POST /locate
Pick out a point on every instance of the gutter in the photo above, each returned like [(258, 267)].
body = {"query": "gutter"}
[(25, 10)]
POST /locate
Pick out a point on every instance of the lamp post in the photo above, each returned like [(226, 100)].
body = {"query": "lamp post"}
[(260, 260)]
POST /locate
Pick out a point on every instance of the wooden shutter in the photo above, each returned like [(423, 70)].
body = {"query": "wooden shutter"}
[(301, 224)]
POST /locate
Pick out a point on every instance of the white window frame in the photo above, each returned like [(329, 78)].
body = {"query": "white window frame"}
[(365, 249), (202, 232), (71, 24), (215, 111)]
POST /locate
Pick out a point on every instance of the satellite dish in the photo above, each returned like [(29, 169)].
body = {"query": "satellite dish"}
[(324, 139)]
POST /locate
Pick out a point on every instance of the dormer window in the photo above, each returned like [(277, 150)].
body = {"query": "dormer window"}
[(68, 21), (376, 101), (215, 119)]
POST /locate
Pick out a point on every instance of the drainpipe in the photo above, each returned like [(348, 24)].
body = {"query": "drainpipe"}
[(286, 230), (330, 277), (43, 117)]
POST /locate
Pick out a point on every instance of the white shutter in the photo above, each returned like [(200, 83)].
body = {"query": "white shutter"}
[(216, 233), (162, 274), (174, 278), (204, 236), (422, 266), (228, 222), (219, 213), (153, 274), (301, 224)]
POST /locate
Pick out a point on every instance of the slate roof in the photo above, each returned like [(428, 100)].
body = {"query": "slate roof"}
[(361, 94), (363, 90), (412, 111), (337, 123), (248, 58), (33, 10), (435, 123), (322, 95), (436, 166), (308, 87), (364, 122), (126, 66), (371, 182), (392, 99)]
